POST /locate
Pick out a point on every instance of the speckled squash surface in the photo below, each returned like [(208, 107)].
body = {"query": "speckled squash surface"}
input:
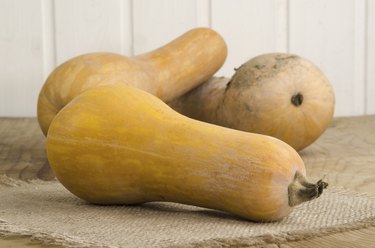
[(120, 145)]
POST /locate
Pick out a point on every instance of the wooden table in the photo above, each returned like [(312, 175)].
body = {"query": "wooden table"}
[(344, 154)]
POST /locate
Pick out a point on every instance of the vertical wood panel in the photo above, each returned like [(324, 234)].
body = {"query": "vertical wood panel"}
[(370, 65), (324, 32), (282, 25), (250, 27), (21, 60), (358, 87), (203, 13), (38, 34), (88, 26), (157, 22), (127, 27), (48, 34)]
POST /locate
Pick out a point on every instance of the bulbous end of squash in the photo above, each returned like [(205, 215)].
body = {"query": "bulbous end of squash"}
[(46, 112), (281, 95), (300, 190)]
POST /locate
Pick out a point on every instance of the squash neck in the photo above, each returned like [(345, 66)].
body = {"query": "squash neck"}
[(185, 62)]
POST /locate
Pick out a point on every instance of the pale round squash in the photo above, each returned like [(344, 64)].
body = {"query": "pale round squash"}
[(277, 94)]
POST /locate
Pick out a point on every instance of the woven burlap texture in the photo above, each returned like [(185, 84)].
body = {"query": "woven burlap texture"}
[(48, 212)]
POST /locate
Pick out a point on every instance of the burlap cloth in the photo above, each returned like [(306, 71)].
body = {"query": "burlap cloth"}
[(48, 212)]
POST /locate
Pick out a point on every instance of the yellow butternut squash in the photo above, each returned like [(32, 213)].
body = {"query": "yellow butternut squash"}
[(167, 72), (120, 145)]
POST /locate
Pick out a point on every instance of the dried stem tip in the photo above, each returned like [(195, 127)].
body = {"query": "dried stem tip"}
[(300, 190)]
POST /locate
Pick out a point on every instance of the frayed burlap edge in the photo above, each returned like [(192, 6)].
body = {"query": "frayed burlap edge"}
[(9, 230), (6, 181), (281, 238), (264, 240)]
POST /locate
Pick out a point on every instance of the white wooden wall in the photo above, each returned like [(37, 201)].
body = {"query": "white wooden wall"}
[(337, 35)]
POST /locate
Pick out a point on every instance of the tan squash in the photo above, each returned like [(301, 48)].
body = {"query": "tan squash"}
[(167, 72), (120, 145), (281, 95)]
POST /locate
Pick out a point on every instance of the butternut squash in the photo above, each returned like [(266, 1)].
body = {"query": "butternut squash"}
[(281, 95), (120, 145), (167, 72)]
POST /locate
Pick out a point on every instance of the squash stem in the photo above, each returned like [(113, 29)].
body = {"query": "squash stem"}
[(300, 190)]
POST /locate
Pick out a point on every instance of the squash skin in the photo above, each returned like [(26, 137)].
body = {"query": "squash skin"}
[(166, 72), (258, 97), (120, 145)]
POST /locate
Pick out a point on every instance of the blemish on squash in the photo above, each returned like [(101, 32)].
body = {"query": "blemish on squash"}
[(228, 85), (281, 60), (285, 57), (162, 197), (248, 108), (297, 99), (259, 67)]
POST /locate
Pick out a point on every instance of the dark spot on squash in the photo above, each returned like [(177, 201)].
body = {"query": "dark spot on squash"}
[(281, 60), (248, 108), (259, 67), (285, 57), (297, 99), (162, 198), (228, 85)]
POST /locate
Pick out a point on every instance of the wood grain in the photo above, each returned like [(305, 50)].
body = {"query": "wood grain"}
[(22, 151), (344, 154)]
